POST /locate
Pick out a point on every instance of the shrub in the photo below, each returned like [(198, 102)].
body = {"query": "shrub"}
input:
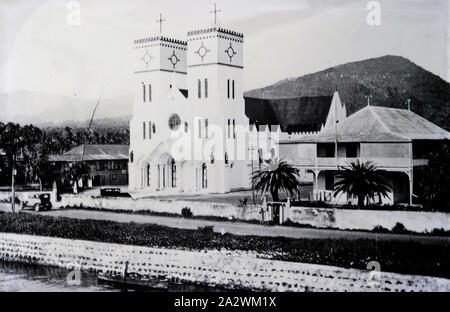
[(440, 232), (207, 229), (186, 212), (380, 229), (399, 228)]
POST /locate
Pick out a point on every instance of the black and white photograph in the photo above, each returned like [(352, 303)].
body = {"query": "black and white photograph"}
[(245, 147)]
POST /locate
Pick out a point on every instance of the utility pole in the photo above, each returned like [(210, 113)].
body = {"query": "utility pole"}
[(335, 133), (408, 101), (13, 191), (251, 149)]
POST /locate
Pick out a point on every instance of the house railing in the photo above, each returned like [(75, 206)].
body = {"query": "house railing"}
[(332, 162), (323, 195)]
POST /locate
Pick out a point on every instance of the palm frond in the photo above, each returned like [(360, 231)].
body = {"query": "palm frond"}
[(276, 175), (363, 180)]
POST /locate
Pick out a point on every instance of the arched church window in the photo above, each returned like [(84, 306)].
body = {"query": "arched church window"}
[(199, 88), (206, 88), (174, 173), (185, 127), (228, 128), (143, 92), (204, 176), (234, 129), (174, 122), (199, 128), (206, 127), (131, 156), (149, 92), (149, 129), (226, 158), (233, 89), (260, 157), (212, 158), (228, 88), (143, 130), (154, 128), (159, 176), (148, 175)]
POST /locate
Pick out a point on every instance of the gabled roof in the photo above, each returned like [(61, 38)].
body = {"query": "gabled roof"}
[(93, 152), (292, 114), (380, 124)]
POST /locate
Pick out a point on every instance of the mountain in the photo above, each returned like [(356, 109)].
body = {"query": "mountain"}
[(390, 80), (54, 110)]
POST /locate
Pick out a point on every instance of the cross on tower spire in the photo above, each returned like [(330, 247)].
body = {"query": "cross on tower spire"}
[(160, 21), (215, 13)]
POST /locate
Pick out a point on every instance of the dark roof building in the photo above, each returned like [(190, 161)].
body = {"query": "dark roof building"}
[(93, 152), (299, 114), (108, 163)]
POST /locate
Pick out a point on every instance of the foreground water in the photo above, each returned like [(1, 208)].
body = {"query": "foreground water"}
[(16, 277)]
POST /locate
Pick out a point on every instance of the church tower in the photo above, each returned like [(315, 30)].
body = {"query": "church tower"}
[(160, 91), (215, 84)]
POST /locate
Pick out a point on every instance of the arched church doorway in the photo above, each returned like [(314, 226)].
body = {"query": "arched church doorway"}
[(167, 172)]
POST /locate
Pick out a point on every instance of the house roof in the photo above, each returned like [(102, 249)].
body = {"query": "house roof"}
[(297, 114), (379, 124), (93, 152)]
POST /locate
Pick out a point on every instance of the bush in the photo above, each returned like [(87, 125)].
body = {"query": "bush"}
[(207, 229), (380, 229), (399, 229), (186, 212), (440, 232)]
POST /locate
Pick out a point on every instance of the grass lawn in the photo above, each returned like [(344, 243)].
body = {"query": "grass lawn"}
[(410, 257)]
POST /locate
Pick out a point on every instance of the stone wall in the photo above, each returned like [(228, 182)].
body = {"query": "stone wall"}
[(416, 221), (198, 208), (232, 269), (354, 219)]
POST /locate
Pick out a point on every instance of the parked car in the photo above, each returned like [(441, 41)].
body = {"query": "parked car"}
[(37, 202)]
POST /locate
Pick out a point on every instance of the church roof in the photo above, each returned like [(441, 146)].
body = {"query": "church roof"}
[(379, 124), (160, 38), (93, 152), (297, 114), (215, 29)]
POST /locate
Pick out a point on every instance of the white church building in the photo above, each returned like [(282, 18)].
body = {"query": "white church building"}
[(187, 110)]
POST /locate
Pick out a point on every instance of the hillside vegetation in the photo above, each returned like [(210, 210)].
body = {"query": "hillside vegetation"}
[(390, 80)]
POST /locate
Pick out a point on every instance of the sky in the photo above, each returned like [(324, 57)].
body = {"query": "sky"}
[(41, 51)]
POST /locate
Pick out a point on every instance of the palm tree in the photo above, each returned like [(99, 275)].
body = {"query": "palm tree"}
[(363, 180), (274, 176)]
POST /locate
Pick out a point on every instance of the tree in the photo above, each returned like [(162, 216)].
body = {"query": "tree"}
[(363, 180), (12, 141), (432, 182), (75, 171), (276, 175)]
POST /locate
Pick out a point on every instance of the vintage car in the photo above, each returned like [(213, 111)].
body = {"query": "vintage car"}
[(37, 202)]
